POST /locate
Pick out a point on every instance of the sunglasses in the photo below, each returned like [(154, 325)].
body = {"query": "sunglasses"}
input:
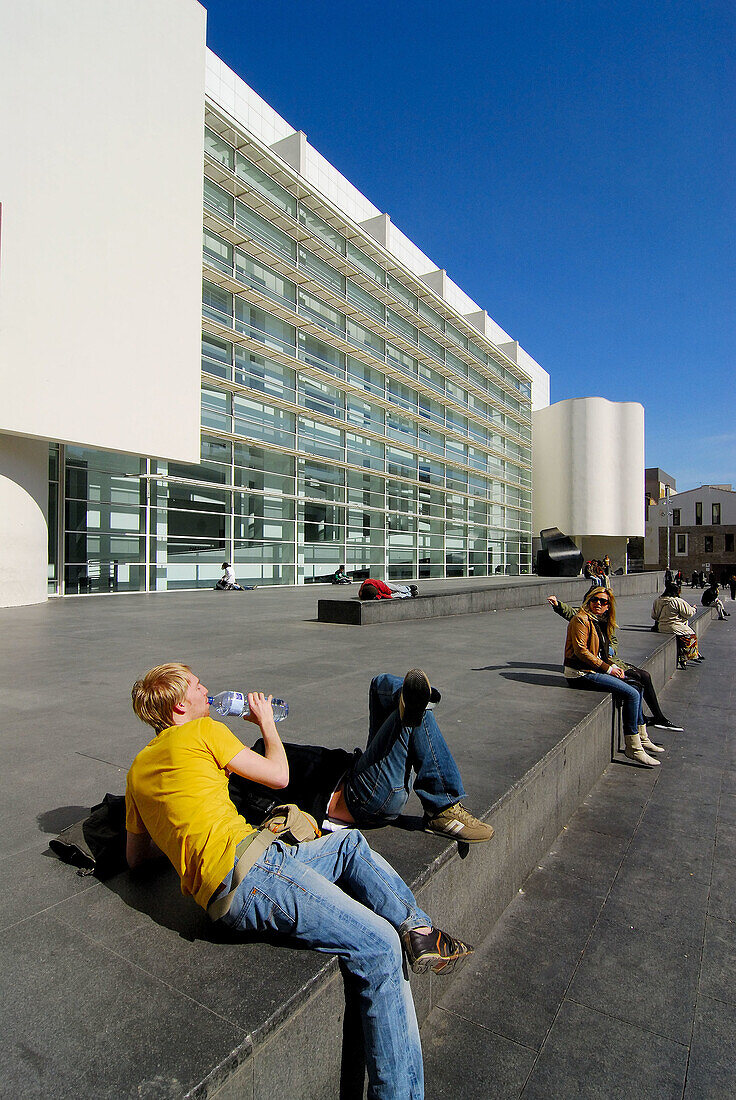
[(597, 599)]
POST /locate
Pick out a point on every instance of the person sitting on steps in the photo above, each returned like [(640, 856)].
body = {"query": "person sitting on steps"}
[(405, 750), (589, 666), (637, 676)]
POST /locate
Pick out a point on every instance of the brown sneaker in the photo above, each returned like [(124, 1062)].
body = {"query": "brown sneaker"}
[(434, 950), (457, 823)]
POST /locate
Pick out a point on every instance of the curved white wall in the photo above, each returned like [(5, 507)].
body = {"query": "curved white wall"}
[(24, 491), (588, 467)]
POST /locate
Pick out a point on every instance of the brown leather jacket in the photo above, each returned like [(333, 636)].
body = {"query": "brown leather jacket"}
[(582, 648)]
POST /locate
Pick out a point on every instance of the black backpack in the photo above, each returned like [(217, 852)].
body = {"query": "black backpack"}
[(96, 845)]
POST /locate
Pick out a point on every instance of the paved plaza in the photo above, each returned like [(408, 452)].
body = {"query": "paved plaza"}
[(618, 956)]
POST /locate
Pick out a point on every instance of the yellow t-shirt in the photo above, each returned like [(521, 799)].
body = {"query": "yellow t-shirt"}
[(177, 793)]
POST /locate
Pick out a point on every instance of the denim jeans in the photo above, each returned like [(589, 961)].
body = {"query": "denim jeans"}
[(628, 694), (338, 896), (378, 785)]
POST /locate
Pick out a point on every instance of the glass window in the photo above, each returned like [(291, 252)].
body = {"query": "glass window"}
[(455, 335), (400, 427), (264, 376), (431, 347), (217, 304), (728, 544), (263, 421), (321, 355), (400, 359), (398, 324), (477, 352), (218, 200), (321, 270), (364, 452), (317, 479), (365, 489), (215, 409), (400, 291), (402, 395), (257, 468), (217, 252), (322, 523), (675, 517), (217, 356), (218, 149), (715, 510), (365, 264), (456, 420), (321, 314), (432, 378), (708, 544), (431, 441), (364, 338), (456, 478), (430, 316), (264, 327), (321, 398), (260, 229), (681, 544), (698, 512), (456, 364), (364, 415), (368, 378), (365, 301), (401, 463), (320, 439), (260, 277), (456, 393), (321, 229), (431, 472), (264, 185)]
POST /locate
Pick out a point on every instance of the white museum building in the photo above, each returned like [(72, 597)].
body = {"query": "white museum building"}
[(214, 347)]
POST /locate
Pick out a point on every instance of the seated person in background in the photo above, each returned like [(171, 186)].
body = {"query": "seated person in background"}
[(637, 676), (227, 582), (333, 894), (587, 665), (711, 598), (373, 589), (340, 576), (671, 613), (405, 750)]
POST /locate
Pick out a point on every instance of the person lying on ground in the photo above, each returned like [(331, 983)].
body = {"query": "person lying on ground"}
[(637, 676), (711, 598), (374, 589), (333, 893), (589, 666), (405, 750), (671, 613)]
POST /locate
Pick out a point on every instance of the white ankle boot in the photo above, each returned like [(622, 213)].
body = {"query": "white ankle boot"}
[(646, 741), (634, 751)]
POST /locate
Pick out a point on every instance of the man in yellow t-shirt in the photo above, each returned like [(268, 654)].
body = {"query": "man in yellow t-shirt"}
[(333, 894)]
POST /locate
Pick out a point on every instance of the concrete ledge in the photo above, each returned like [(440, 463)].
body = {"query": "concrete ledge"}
[(462, 888), (512, 593)]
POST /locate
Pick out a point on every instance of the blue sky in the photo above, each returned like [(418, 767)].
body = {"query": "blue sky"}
[(570, 164)]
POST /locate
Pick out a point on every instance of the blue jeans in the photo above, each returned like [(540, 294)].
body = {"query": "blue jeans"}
[(338, 896), (378, 785), (627, 693)]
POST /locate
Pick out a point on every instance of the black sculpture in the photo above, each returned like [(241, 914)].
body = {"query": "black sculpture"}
[(559, 556)]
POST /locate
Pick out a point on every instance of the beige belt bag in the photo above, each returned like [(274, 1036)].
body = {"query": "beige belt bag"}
[(285, 822)]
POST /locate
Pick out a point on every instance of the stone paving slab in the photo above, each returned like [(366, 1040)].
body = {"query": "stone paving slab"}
[(622, 984), (88, 953)]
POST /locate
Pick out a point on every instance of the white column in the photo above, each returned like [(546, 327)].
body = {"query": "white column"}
[(24, 490)]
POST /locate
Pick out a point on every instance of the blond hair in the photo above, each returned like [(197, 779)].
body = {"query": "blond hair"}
[(610, 622), (156, 694)]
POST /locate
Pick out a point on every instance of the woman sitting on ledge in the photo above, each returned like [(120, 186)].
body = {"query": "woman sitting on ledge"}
[(671, 613), (587, 665)]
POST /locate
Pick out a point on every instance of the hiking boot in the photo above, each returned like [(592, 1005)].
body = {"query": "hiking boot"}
[(434, 950), (416, 694), (457, 823)]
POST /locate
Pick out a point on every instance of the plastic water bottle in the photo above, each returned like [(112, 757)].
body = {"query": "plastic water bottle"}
[(233, 704)]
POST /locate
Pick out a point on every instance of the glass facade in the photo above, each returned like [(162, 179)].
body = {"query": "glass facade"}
[(348, 415)]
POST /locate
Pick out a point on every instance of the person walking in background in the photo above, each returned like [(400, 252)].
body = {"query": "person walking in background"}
[(732, 585)]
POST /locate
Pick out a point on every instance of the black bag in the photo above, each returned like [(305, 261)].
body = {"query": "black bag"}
[(314, 773), (96, 845)]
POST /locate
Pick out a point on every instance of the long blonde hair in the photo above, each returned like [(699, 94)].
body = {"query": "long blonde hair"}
[(610, 622), (156, 694)]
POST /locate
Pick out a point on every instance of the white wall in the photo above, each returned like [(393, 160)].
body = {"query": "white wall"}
[(588, 467), (100, 247), (24, 491)]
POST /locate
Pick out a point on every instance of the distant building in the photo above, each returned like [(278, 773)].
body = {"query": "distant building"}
[(701, 531)]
